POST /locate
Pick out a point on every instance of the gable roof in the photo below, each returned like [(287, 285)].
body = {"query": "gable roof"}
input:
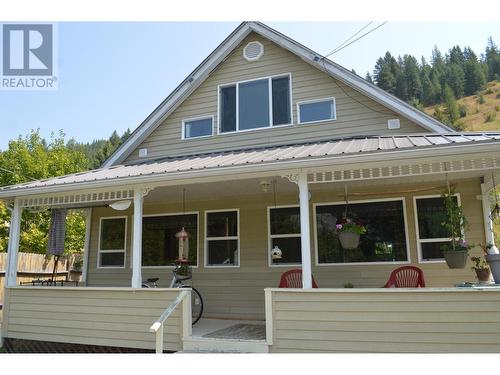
[(198, 76)]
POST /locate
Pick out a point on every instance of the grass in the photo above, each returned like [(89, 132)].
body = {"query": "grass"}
[(482, 109)]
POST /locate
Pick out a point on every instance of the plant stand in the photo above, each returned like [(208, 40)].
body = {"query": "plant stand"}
[(456, 258), (494, 262), (349, 240)]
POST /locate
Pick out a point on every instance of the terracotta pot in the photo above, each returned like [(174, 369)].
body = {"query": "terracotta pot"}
[(349, 240), (483, 274), (456, 258)]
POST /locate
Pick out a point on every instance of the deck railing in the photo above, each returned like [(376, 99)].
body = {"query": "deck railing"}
[(157, 327)]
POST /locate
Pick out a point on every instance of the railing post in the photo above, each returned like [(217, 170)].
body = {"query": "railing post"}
[(187, 318), (269, 316), (13, 247), (159, 340)]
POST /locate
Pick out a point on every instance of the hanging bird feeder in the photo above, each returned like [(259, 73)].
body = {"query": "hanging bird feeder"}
[(183, 238)]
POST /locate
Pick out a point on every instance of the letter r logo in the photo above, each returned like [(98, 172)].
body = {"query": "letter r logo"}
[(27, 50)]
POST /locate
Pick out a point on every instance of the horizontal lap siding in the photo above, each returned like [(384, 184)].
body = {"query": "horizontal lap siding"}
[(393, 321), (356, 114), (239, 292), (93, 317)]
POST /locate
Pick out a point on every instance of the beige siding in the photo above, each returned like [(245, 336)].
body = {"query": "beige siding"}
[(93, 316), (396, 321), (356, 114), (238, 292)]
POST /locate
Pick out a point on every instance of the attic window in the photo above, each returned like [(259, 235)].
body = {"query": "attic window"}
[(253, 51)]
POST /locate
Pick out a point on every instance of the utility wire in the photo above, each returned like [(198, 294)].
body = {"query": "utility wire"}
[(348, 39), (355, 40), (19, 174)]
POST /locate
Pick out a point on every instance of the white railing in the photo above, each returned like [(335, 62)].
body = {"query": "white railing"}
[(157, 326)]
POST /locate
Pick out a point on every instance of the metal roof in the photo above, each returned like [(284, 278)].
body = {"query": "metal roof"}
[(276, 154)]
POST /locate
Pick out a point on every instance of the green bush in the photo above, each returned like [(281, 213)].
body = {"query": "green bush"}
[(462, 109), (480, 99), (498, 95), (488, 91), (490, 117)]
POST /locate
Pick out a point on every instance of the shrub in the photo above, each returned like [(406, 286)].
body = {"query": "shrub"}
[(498, 95), (462, 109), (490, 117), (481, 99), (497, 108), (459, 126), (488, 92)]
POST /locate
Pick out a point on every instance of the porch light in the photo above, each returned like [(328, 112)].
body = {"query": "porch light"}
[(265, 185), (121, 205), (183, 237), (495, 214)]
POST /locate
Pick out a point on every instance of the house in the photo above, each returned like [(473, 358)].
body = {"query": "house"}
[(267, 143)]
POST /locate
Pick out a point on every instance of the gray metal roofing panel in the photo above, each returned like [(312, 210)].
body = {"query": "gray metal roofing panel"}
[(263, 155)]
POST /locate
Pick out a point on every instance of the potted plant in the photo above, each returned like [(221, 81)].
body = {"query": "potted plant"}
[(480, 266), (349, 231), (456, 252)]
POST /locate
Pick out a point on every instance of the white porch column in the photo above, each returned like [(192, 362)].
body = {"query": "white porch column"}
[(488, 223), (13, 247), (86, 247), (305, 231), (139, 195)]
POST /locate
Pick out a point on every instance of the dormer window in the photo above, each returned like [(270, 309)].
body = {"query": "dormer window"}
[(255, 104)]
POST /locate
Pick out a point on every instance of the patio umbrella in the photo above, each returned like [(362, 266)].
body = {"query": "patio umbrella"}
[(57, 234)]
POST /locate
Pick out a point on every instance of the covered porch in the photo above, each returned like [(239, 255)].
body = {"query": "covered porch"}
[(274, 204)]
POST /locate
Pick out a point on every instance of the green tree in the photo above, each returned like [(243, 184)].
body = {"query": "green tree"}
[(451, 107), (492, 59)]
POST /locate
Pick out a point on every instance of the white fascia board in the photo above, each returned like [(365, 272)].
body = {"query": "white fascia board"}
[(191, 83), (260, 169)]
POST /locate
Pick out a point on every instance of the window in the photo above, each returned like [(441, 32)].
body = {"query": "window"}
[(431, 235), (384, 240), (222, 242), (197, 127), (316, 110), (160, 247), (260, 103), (284, 232), (112, 242)]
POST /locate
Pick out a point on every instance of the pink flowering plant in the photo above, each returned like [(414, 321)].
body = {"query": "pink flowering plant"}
[(348, 225)]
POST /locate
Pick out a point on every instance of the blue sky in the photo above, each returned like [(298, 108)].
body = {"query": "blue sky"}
[(112, 75)]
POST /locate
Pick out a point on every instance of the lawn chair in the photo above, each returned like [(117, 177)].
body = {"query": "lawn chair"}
[(406, 277), (293, 279)]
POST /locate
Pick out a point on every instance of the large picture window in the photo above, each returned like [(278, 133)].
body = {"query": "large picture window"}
[(284, 232), (160, 247), (431, 235), (260, 103), (384, 240), (222, 241), (112, 242)]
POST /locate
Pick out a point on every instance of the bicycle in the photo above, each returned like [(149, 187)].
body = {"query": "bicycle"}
[(178, 282)]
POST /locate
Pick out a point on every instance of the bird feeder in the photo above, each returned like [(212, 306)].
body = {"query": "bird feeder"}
[(183, 238)]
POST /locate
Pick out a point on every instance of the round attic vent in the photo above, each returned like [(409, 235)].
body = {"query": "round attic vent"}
[(253, 51)]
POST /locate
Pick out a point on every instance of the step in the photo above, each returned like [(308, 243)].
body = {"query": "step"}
[(196, 344)]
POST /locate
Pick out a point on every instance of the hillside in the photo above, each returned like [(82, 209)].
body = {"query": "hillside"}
[(482, 111)]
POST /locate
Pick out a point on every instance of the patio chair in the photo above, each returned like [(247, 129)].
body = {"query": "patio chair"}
[(406, 277), (293, 279)]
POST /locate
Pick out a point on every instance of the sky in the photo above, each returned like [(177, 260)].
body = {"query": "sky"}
[(113, 75)]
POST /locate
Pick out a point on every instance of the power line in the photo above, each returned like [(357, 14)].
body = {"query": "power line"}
[(19, 174), (348, 39), (355, 40)]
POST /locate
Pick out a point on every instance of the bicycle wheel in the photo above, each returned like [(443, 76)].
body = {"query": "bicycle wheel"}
[(196, 305)]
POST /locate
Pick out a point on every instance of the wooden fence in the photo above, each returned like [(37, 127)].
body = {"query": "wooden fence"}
[(33, 266)]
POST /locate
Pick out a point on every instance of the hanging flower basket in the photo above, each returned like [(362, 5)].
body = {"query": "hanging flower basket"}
[(456, 253), (349, 231)]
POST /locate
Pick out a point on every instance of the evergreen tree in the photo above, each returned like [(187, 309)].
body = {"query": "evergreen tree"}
[(412, 77), (492, 59), (455, 78), (368, 77), (451, 107)]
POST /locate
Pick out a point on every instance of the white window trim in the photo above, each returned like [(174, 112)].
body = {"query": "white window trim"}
[(271, 236), (298, 104), (124, 251), (236, 84), (429, 240), (207, 239), (183, 130), (375, 200), (197, 213)]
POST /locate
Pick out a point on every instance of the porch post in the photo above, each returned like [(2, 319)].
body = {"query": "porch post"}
[(13, 247), (139, 195), (305, 237), (488, 223), (86, 247)]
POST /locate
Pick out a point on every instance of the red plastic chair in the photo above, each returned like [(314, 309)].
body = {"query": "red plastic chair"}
[(406, 277), (293, 279)]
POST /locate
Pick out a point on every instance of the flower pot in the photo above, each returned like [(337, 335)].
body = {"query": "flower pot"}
[(494, 262), (456, 258), (483, 275), (349, 240)]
